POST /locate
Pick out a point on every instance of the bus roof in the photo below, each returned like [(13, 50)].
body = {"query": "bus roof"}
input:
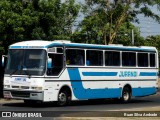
[(48, 44)]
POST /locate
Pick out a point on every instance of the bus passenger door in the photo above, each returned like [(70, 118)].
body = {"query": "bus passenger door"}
[(55, 64)]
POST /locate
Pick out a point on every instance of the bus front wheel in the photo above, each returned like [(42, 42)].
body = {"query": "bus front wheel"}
[(126, 95), (62, 98)]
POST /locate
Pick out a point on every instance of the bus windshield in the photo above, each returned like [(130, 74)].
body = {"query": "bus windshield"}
[(26, 62)]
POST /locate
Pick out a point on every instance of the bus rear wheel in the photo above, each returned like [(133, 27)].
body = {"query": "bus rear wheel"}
[(63, 98), (126, 95)]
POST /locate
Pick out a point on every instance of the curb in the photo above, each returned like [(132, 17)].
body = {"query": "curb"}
[(2, 100)]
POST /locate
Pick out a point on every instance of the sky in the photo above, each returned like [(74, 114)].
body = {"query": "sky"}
[(147, 26)]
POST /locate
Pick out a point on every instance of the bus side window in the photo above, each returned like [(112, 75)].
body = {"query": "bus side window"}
[(112, 58), (87, 62), (74, 57), (152, 60), (129, 59), (142, 59), (94, 58)]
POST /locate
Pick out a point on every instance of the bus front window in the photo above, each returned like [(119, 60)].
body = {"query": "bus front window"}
[(26, 62)]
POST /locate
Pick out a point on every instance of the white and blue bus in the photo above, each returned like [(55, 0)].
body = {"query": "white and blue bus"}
[(63, 71)]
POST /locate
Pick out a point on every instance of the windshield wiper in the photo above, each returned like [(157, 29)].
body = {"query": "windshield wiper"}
[(13, 72), (21, 68), (18, 69), (26, 71)]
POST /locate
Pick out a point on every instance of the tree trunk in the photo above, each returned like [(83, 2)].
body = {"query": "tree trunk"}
[(119, 22), (105, 37)]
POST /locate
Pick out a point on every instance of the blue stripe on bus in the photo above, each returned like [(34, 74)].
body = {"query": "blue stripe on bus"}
[(83, 93), (99, 73), (148, 74), (115, 73), (86, 46), (139, 92), (90, 46), (26, 47), (16, 47)]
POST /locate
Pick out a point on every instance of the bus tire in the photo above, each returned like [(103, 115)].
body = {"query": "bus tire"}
[(126, 95), (63, 98)]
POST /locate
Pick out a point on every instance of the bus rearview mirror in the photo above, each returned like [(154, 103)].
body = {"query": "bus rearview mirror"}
[(4, 60)]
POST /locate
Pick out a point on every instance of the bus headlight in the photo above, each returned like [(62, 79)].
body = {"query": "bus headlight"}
[(36, 88), (6, 86)]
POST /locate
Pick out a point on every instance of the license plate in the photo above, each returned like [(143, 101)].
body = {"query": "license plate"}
[(20, 79)]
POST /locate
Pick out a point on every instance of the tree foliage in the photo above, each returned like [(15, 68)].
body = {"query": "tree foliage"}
[(108, 16), (153, 41), (105, 21), (124, 35), (36, 19)]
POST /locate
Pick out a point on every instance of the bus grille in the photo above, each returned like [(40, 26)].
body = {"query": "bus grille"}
[(21, 87), (23, 94)]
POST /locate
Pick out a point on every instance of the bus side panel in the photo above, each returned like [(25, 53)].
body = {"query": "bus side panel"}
[(140, 92), (92, 83), (50, 91), (54, 84), (90, 93)]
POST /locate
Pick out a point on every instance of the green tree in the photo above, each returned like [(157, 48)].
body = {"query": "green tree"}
[(153, 41), (124, 35), (112, 14), (36, 19), (91, 30)]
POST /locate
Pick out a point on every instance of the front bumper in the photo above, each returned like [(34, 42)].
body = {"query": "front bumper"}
[(23, 95)]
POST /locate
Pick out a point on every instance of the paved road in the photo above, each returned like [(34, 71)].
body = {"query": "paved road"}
[(107, 105), (150, 101)]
